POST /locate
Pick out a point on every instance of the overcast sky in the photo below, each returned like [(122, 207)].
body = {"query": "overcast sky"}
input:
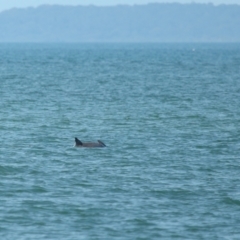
[(7, 4)]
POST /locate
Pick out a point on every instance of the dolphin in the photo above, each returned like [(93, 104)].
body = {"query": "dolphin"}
[(78, 143)]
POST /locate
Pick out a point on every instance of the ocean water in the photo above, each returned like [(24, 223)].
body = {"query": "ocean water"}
[(170, 117)]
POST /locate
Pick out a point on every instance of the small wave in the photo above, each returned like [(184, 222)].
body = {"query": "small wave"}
[(5, 170), (232, 201)]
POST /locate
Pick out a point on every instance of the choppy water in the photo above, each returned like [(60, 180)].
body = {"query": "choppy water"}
[(170, 116)]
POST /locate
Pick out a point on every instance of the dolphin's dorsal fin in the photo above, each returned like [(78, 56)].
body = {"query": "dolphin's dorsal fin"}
[(78, 142), (101, 143)]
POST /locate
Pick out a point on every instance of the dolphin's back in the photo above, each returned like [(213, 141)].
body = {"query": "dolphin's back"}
[(78, 143), (92, 144)]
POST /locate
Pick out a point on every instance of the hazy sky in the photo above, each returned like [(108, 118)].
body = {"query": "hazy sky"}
[(7, 4)]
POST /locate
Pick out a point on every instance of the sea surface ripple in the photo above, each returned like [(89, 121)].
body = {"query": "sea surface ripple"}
[(169, 115)]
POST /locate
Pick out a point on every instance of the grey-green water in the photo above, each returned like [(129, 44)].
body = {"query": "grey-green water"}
[(170, 117)]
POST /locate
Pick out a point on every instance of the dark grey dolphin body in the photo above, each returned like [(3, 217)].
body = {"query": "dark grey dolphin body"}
[(78, 143)]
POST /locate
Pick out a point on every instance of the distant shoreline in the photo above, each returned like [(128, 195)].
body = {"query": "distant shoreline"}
[(171, 22)]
